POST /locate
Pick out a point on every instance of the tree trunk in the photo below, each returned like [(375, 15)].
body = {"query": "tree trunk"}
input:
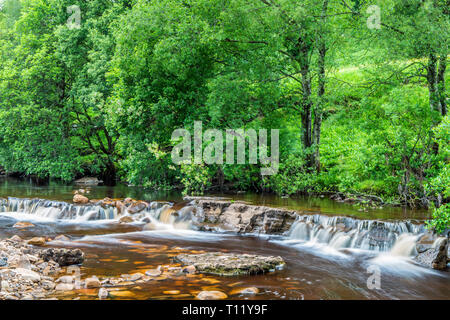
[(109, 175), (318, 112), (441, 84), (306, 113), (432, 83)]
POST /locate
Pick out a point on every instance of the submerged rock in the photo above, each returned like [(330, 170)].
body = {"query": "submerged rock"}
[(435, 257), (23, 225), (64, 257), (245, 291), (88, 181), (229, 264), (211, 295), (153, 272), (62, 238), (126, 219)]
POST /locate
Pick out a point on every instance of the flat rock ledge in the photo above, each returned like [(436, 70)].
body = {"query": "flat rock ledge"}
[(239, 217), (228, 264)]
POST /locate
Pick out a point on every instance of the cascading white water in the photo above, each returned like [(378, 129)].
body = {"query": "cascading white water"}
[(337, 232), (58, 210), (343, 232), (405, 245)]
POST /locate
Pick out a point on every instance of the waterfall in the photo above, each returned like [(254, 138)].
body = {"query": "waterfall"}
[(398, 238), (339, 232), (405, 245), (59, 210)]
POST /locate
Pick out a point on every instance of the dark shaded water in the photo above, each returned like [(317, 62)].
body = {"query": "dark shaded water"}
[(312, 271), (10, 187)]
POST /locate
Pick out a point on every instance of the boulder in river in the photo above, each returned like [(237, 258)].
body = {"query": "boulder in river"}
[(92, 282), (88, 181), (37, 241), (137, 207), (78, 198), (241, 217), (126, 219), (62, 237), (64, 257), (230, 264), (211, 295), (250, 291), (103, 293), (435, 257)]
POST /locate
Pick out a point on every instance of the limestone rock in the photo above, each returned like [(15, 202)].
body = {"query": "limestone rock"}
[(78, 198), (231, 264), (64, 287), (435, 257), (211, 295), (65, 279), (92, 283), (62, 238), (103, 293), (23, 225), (37, 241), (137, 207), (153, 273), (245, 291), (27, 274), (126, 219), (16, 238), (19, 261), (88, 181), (189, 269), (241, 217)]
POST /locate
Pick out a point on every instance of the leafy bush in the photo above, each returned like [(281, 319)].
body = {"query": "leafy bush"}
[(441, 219)]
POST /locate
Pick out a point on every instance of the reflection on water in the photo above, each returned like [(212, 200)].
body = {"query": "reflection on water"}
[(10, 187), (315, 269)]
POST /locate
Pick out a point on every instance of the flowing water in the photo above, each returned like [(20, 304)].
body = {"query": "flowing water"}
[(331, 250)]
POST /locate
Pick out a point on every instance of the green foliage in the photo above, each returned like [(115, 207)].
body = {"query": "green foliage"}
[(105, 98), (441, 219), (195, 178)]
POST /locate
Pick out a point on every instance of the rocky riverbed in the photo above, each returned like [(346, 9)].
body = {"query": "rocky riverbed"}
[(29, 273), (133, 249)]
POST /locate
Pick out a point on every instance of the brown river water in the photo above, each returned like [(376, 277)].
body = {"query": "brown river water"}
[(313, 271)]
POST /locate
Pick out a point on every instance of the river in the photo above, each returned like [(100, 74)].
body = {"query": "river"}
[(332, 269)]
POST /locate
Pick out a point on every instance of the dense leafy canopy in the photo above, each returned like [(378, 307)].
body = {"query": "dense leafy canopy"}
[(359, 108)]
